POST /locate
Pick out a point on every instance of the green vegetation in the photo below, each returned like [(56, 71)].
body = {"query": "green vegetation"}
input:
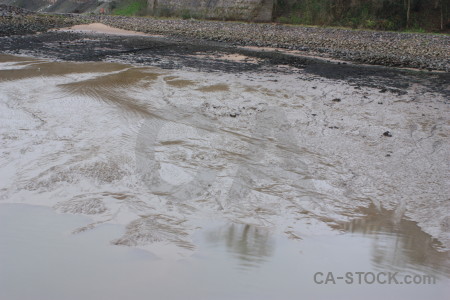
[(410, 15), (188, 14), (129, 8), (393, 15)]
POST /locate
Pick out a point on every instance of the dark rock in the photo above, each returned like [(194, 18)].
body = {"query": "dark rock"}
[(389, 48)]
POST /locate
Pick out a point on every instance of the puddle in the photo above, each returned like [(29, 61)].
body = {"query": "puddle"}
[(249, 246), (399, 243), (233, 261), (243, 189)]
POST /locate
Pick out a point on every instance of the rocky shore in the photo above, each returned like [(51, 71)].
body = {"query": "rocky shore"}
[(410, 50), (423, 51), (18, 21)]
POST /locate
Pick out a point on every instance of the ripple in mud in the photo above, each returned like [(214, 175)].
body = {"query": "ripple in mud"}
[(115, 88), (129, 147), (82, 205), (176, 82)]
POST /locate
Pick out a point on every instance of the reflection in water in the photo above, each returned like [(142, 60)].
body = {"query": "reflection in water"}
[(400, 244), (250, 245), (86, 266)]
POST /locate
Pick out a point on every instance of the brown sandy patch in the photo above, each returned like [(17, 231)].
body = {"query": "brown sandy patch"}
[(179, 83), (13, 58), (233, 57), (102, 28), (49, 69), (215, 88)]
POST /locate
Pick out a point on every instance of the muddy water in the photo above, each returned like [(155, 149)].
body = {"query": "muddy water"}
[(260, 181), (41, 259)]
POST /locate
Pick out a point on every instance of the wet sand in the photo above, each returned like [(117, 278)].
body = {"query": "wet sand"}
[(99, 28), (163, 142), (287, 146)]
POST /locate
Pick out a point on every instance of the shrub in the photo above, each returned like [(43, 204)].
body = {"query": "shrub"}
[(131, 8)]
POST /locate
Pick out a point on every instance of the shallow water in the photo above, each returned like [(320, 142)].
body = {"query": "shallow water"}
[(42, 260), (232, 185)]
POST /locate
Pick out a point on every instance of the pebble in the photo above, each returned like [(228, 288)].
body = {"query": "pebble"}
[(389, 48)]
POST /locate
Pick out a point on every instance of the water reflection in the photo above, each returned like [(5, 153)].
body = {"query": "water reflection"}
[(250, 245), (400, 244), (395, 244)]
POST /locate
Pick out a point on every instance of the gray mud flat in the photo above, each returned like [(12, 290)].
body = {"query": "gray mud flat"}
[(211, 153)]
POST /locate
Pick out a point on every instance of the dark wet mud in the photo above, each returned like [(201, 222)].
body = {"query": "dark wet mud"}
[(171, 53)]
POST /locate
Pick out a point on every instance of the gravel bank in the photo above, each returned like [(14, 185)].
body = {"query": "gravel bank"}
[(17, 21), (422, 51)]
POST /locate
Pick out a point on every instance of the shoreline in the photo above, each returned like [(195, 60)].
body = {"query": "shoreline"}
[(401, 50), (392, 49)]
